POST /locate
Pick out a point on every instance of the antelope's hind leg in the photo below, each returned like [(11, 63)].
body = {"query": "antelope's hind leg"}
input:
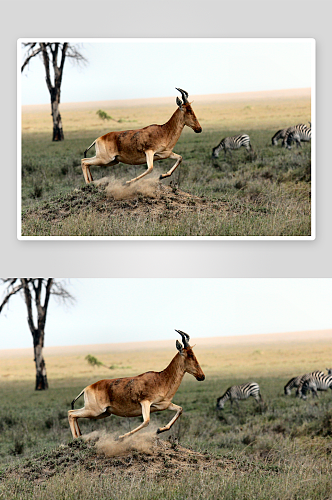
[(86, 163), (86, 171), (73, 415)]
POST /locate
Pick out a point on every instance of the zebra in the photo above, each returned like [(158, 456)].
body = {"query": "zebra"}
[(297, 382), (229, 143), (293, 382), (297, 133), (317, 381), (240, 392), (278, 135)]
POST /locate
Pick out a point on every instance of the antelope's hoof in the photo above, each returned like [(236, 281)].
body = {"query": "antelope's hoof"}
[(161, 177), (159, 431)]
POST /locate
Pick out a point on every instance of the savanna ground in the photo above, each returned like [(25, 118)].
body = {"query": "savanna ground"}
[(281, 450), (264, 193)]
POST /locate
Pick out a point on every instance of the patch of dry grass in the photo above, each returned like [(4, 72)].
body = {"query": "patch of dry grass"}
[(259, 358)]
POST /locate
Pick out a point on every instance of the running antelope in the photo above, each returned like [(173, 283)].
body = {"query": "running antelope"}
[(136, 147), (140, 395)]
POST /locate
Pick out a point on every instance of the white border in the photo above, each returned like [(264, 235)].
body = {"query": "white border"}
[(167, 40)]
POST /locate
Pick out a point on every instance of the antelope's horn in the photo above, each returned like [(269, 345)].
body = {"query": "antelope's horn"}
[(185, 338), (184, 95), (178, 102)]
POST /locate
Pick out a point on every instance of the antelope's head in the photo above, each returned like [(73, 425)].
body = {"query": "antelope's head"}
[(188, 115), (191, 364)]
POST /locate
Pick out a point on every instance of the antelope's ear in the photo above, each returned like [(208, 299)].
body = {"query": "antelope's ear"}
[(179, 102), (179, 347)]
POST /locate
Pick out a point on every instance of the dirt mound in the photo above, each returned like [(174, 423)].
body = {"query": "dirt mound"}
[(148, 197), (148, 455)]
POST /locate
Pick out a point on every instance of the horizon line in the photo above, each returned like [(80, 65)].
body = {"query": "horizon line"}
[(172, 96), (327, 331)]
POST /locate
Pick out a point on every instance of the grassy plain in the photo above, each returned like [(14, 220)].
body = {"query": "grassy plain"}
[(264, 193), (282, 450)]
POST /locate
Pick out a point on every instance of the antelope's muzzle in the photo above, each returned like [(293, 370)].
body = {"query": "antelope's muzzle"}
[(200, 378), (198, 130)]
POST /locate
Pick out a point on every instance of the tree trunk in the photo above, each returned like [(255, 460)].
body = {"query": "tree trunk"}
[(41, 377), (57, 122)]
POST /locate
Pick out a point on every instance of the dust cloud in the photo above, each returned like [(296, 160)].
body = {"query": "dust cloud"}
[(119, 190), (110, 446)]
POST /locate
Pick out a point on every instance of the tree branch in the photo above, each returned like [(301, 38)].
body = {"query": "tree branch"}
[(33, 54), (27, 296), (14, 291), (48, 292), (46, 60), (63, 58)]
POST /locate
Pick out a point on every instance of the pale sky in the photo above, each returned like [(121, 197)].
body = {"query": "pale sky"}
[(125, 69), (123, 310)]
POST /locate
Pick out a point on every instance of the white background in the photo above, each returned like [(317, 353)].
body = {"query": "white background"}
[(166, 258)]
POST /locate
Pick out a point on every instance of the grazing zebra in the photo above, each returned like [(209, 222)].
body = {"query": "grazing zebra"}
[(291, 384), (317, 381), (229, 143), (297, 382), (278, 135), (240, 392), (297, 133)]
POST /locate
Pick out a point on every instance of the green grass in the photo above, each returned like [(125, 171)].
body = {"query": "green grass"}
[(280, 451), (267, 193)]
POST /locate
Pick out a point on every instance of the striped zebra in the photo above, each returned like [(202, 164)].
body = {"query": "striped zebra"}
[(291, 384), (297, 382), (229, 143), (299, 133), (279, 135), (317, 381), (237, 392)]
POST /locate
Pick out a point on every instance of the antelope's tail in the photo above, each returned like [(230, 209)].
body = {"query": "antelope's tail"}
[(73, 401), (85, 152)]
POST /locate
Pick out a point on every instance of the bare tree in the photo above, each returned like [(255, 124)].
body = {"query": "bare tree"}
[(36, 293), (50, 54)]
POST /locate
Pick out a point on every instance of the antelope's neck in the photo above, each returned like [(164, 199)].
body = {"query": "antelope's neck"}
[(173, 376), (173, 128)]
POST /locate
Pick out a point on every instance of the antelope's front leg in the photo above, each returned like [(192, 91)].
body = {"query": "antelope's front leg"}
[(149, 160), (178, 410), (173, 156), (146, 419)]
